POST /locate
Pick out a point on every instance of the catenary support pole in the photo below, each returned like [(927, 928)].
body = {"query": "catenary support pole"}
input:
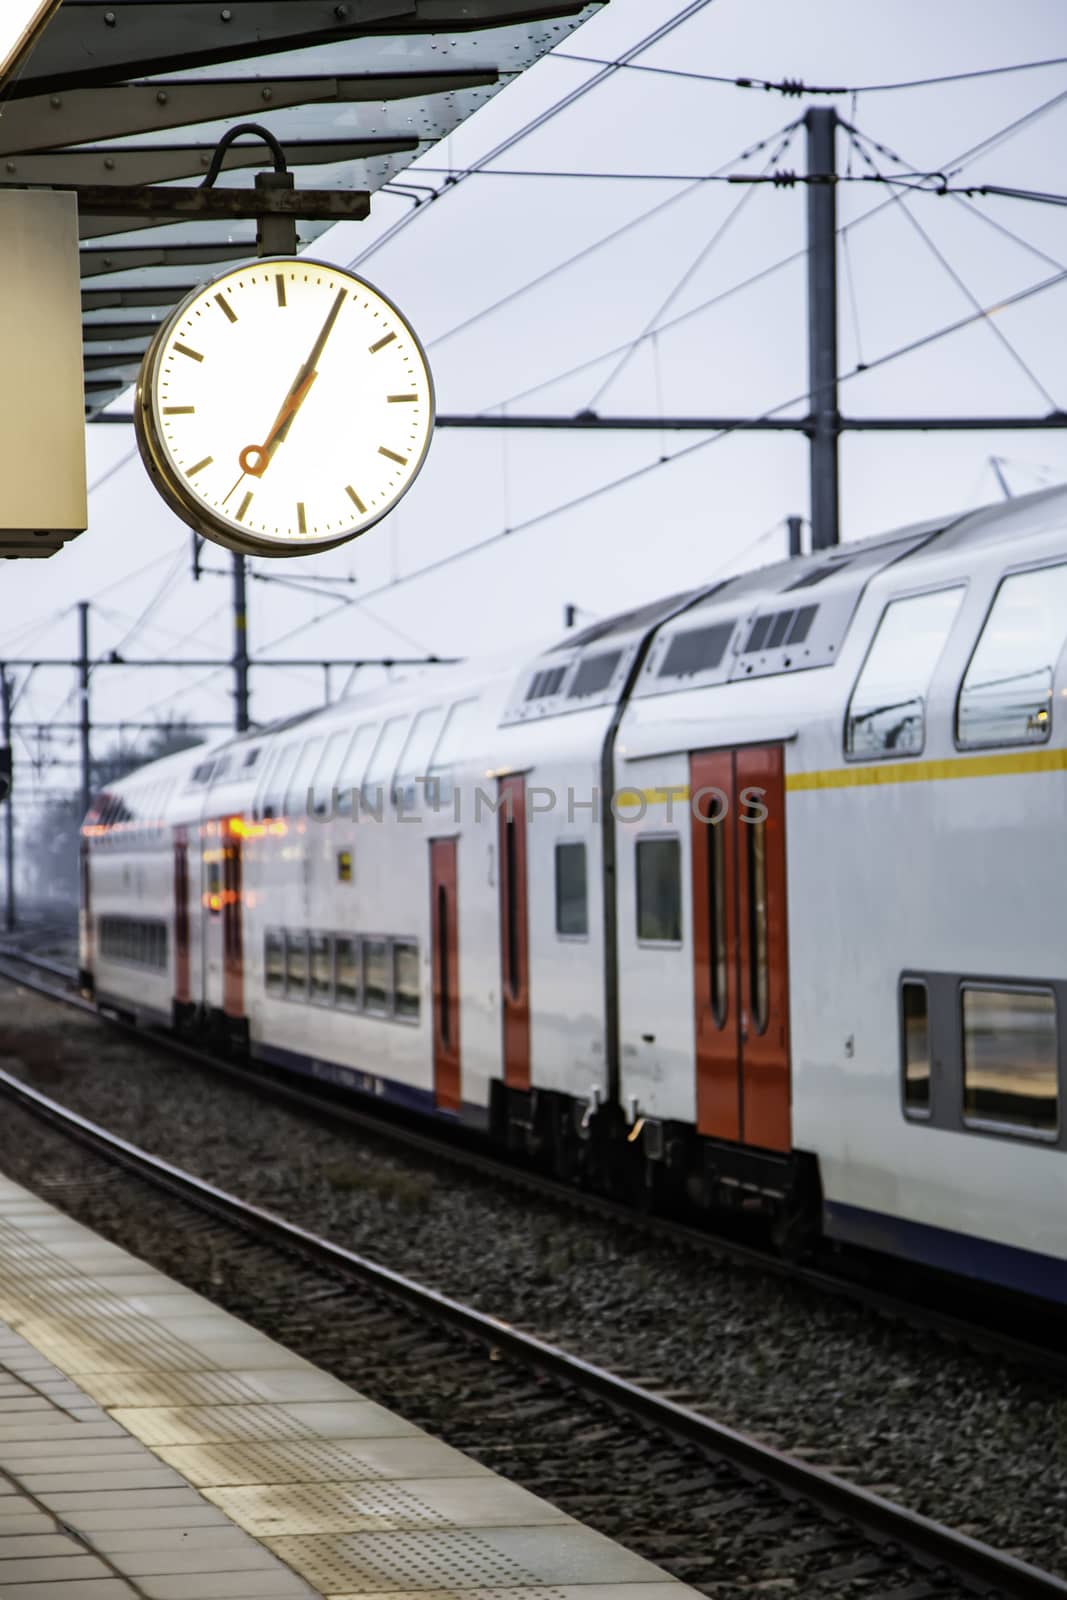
[(240, 644), (793, 527), (821, 123), (84, 718), (9, 808)]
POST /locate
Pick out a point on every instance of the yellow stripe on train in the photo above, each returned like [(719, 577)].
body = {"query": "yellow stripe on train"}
[(989, 766), (1008, 764)]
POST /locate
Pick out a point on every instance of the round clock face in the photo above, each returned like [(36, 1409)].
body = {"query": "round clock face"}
[(285, 407)]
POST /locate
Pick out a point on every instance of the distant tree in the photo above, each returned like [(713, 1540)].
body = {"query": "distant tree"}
[(48, 846)]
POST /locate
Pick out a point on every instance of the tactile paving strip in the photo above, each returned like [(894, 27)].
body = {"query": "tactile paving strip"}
[(413, 1561), (168, 1389), (317, 1485), (324, 1508), (181, 1425), (213, 1465), (82, 1344), (97, 1330), (542, 1592)]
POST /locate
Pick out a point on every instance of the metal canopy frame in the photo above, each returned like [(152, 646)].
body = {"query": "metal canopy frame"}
[(124, 101)]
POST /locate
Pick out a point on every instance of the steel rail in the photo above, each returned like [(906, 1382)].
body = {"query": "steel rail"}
[(923, 1539), (437, 1146)]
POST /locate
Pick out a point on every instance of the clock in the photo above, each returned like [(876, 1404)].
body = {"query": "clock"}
[(284, 408)]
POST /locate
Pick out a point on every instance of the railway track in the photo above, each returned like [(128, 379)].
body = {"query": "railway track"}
[(868, 1534), (1048, 1354)]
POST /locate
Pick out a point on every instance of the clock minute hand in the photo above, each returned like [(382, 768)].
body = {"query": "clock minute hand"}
[(256, 458)]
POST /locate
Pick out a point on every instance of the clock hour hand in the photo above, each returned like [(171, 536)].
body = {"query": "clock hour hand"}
[(256, 458)]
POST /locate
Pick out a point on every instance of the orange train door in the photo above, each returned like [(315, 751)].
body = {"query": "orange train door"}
[(183, 992), (445, 948), (740, 946), (514, 953), (233, 974)]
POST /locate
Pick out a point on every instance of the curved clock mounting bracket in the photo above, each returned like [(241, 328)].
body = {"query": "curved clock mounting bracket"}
[(275, 232)]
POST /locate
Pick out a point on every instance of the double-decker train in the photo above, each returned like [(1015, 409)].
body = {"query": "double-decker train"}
[(756, 892)]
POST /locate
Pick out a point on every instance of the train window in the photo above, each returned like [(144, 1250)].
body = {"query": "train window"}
[(1006, 697), (382, 764), (572, 904), (1009, 1058), (274, 963), (443, 978), (415, 757), (353, 766), (887, 712), (717, 960), (696, 650), (135, 943), (659, 891), (252, 756), (758, 953), (454, 742), (213, 896), (915, 1046), (546, 683), (321, 969), (296, 794), (277, 781), (594, 674), (325, 780), (346, 971), (510, 885), (375, 977), (264, 778), (296, 966), (406, 979)]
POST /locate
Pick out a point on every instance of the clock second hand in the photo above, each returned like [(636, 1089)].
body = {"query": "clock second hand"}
[(290, 405)]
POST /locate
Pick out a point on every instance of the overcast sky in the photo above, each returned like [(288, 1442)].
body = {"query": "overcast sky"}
[(681, 523)]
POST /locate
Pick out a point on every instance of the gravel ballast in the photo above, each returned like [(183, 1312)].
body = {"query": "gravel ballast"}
[(956, 1435)]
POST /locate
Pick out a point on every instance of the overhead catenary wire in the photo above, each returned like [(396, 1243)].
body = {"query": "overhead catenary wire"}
[(637, 473), (701, 444), (795, 87), (849, 276), (534, 123), (1019, 122), (995, 329), (604, 240), (954, 163), (690, 273)]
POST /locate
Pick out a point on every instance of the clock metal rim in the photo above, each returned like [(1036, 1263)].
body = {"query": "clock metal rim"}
[(173, 487)]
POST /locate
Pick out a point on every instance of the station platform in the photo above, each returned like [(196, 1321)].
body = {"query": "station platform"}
[(153, 1446)]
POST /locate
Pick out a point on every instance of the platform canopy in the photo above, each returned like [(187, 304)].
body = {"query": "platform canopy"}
[(115, 95)]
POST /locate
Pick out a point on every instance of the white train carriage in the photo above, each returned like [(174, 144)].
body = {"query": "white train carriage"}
[(755, 892)]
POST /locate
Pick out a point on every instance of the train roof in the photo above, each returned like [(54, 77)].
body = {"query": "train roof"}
[(787, 616)]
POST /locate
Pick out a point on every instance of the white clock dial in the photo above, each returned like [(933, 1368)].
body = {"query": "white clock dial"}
[(285, 407)]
